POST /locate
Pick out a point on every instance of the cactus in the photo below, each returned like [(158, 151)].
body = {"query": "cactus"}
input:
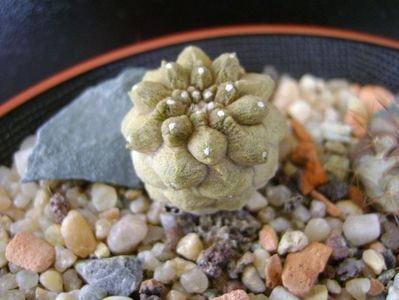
[(202, 135)]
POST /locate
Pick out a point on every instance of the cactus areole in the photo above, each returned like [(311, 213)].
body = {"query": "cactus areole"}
[(202, 134)]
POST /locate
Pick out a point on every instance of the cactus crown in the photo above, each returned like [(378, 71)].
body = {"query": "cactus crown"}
[(202, 134)]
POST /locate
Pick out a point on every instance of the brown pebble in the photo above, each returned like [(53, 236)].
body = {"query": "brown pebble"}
[(152, 287), (234, 295), (376, 287), (377, 246), (273, 271), (77, 234), (59, 206), (233, 285), (30, 252), (302, 268), (268, 238)]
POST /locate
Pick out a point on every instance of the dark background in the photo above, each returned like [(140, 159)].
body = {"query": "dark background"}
[(39, 38)]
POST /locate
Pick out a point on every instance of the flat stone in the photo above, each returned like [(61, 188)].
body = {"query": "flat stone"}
[(90, 127), (299, 277), (30, 252), (119, 275)]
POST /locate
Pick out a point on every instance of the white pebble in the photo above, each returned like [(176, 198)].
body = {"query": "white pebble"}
[(251, 279), (165, 273), (335, 131), (396, 281), (348, 208), (261, 256), (154, 213), (256, 202), (300, 110), (374, 260), (280, 293), (64, 258), (140, 205), (302, 213), (194, 281), (103, 196), (318, 292), (118, 298), (190, 246), (362, 229), (181, 265), (102, 228), (317, 229), (21, 200), (292, 241), (27, 279), (393, 293), (333, 286), (278, 195), (102, 251), (280, 224), (317, 209), (175, 295), (51, 280), (149, 261), (335, 224), (358, 288), (121, 239), (154, 234), (266, 214), (8, 282)]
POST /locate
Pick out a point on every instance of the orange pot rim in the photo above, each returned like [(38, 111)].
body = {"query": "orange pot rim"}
[(184, 37)]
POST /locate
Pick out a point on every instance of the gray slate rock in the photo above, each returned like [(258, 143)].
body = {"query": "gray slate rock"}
[(119, 275), (89, 292), (84, 140)]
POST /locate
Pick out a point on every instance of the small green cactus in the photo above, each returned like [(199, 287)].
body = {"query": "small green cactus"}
[(202, 135)]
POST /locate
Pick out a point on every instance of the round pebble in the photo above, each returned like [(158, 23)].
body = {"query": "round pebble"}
[(51, 280), (194, 281), (251, 279), (175, 295), (139, 205), (121, 240), (102, 251), (278, 195), (77, 234), (165, 273), (190, 246), (317, 229), (292, 241), (256, 202), (280, 293), (8, 282), (333, 286), (71, 280), (358, 288), (362, 229), (375, 260), (103, 196), (27, 279), (64, 258), (53, 235), (318, 292), (261, 256), (317, 209), (118, 298), (102, 228)]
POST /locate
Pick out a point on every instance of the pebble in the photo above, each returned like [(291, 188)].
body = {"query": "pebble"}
[(77, 234), (27, 279), (71, 280), (119, 275), (256, 202), (349, 268), (333, 286), (393, 293), (103, 196), (362, 229), (251, 279), (268, 238), (118, 298), (300, 110), (317, 229), (335, 189), (152, 287), (292, 241), (51, 280), (349, 208), (260, 256), (280, 224), (165, 273), (318, 292), (102, 251), (175, 295), (42, 294), (8, 282), (89, 292), (190, 246), (278, 195), (298, 277), (302, 213), (53, 235), (31, 253), (148, 259), (121, 240), (390, 238), (12, 295), (139, 205), (64, 258), (194, 281), (102, 228), (273, 271), (234, 295), (181, 265), (358, 288), (266, 215), (280, 293), (376, 287), (317, 209), (338, 244), (59, 206), (374, 260), (232, 285), (68, 296)]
